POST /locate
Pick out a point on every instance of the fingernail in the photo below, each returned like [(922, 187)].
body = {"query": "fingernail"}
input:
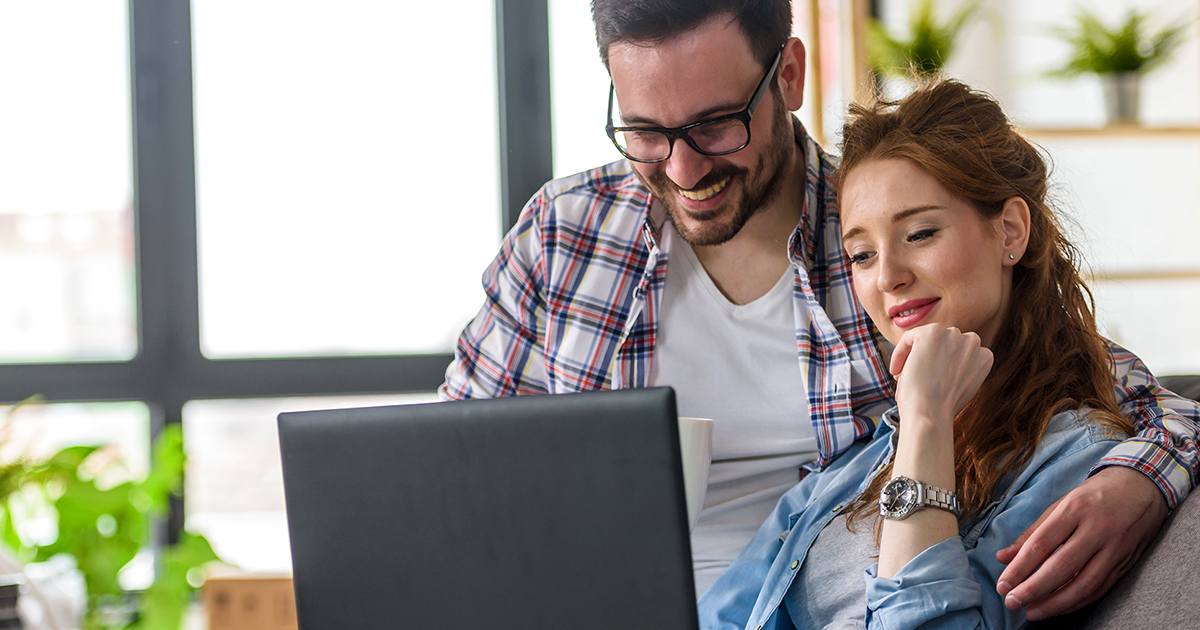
[(1034, 614), (1003, 588), (1012, 602)]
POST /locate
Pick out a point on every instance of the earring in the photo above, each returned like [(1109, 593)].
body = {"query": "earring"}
[(1012, 257)]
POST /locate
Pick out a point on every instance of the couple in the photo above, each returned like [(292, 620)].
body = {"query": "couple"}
[(712, 259)]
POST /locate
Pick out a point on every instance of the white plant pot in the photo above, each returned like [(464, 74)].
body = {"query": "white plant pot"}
[(1122, 92)]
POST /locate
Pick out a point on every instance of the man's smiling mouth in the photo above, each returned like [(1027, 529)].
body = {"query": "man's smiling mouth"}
[(705, 193)]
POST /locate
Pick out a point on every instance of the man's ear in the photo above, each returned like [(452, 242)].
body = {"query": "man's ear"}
[(791, 74), (1014, 227)]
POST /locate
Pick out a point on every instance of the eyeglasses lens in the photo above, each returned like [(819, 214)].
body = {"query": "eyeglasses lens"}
[(715, 138)]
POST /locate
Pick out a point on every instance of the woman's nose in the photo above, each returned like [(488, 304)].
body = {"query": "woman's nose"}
[(685, 167), (894, 273)]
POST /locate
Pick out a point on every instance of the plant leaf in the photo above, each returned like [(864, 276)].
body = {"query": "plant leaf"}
[(163, 604), (1098, 49), (929, 44)]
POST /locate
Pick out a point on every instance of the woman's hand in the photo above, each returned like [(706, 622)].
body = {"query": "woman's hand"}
[(938, 370)]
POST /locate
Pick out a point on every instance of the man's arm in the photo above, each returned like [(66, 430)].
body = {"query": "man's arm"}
[(1083, 543), (500, 351)]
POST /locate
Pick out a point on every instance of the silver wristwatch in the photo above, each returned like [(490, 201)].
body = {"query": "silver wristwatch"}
[(903, 496)]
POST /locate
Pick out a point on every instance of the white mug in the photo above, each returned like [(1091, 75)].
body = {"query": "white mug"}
[(695, 443)]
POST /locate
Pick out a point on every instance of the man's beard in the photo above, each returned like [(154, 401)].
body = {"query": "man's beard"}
[(722, 223)]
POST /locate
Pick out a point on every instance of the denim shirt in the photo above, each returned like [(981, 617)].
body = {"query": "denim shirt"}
[(949, 585)]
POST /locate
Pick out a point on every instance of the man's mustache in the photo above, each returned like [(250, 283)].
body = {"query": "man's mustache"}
[(715, 176)]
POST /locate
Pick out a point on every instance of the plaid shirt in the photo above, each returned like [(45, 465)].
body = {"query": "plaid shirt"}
[(574, 294)]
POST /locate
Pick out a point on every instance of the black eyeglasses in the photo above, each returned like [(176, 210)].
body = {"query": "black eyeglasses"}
[(719, 136)]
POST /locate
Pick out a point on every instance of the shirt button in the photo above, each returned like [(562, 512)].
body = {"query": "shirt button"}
[(795, 563)]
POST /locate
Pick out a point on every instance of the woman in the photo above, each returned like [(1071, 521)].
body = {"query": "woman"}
[(1004, 388)]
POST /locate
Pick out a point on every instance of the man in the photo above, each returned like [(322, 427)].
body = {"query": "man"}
[(710, 260)]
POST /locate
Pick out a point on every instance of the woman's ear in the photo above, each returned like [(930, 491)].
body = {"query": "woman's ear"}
[(1014, 227)]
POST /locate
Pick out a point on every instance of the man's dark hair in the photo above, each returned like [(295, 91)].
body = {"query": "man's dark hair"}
[(767, 24)]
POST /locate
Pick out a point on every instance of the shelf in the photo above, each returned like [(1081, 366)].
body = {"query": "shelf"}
[(1113, 131), (1161, 274)]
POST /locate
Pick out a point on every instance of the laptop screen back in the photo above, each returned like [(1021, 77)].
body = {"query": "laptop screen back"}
[(527, 512)]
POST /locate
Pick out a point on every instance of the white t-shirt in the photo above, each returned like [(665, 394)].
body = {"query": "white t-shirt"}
[(739, 366)]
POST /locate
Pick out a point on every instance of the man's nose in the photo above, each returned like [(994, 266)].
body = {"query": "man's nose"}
[(685, 167)]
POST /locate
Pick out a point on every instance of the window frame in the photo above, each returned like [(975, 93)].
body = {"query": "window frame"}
[(169, 368)]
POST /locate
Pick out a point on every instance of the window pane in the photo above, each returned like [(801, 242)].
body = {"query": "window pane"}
[(347, 174), (1134, 198), (66, 200), (578, 90), (38, 431), (234, 492), (1155, 319)]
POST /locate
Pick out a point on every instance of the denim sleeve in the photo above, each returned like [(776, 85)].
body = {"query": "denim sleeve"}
[(952, 585), (500, 352)]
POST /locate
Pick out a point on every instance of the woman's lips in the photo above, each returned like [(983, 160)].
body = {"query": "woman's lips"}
[(907, 314)]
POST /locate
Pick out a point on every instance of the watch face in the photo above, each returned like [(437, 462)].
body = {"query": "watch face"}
[(899, 497)]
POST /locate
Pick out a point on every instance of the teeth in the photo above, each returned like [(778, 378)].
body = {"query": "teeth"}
[(906, 313), (701, 195)]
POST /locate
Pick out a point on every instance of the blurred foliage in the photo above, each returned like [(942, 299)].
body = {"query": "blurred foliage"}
[(1097, 49), (929, 45), (103, 526)]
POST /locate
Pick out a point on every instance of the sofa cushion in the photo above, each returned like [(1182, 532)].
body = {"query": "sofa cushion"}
[(1186, 386), (1161, 591)]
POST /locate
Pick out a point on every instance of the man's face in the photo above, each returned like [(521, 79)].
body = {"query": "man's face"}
[(703, 74)]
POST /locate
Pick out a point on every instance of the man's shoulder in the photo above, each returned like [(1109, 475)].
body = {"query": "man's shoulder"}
[(614, 182), (607, 202)]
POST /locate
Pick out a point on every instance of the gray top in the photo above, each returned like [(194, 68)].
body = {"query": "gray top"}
[(830, 592)]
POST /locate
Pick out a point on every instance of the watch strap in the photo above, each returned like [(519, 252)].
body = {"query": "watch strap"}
[(941, 498)]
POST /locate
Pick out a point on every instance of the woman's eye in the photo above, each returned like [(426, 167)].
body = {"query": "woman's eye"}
[(921, 235), (858, 259)]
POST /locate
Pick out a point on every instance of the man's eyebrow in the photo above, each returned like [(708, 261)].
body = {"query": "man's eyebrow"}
[(699, 117), (899, 216)]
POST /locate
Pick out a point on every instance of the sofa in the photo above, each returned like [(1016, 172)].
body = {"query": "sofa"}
[(1163, 589)]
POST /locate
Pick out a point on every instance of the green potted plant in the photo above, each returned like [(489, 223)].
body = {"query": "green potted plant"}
[(102, 525), (929, 43), (1118, 56)]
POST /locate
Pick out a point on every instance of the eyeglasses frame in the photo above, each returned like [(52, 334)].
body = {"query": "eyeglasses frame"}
[(673, 133)]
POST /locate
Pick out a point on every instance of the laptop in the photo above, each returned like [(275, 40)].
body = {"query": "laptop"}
[(514, 513)]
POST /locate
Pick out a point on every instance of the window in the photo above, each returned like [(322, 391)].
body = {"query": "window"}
[(245, 223), (347, 196), (66, 183)]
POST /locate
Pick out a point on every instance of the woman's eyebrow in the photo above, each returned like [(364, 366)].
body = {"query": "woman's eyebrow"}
[(899, 216)]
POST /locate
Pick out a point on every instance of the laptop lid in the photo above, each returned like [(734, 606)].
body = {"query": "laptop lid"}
[(526, 512)]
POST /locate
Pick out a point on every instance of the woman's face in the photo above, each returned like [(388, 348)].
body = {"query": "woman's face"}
[(921, 255)]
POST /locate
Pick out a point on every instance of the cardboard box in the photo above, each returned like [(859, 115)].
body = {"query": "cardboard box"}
[(247, 601)]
